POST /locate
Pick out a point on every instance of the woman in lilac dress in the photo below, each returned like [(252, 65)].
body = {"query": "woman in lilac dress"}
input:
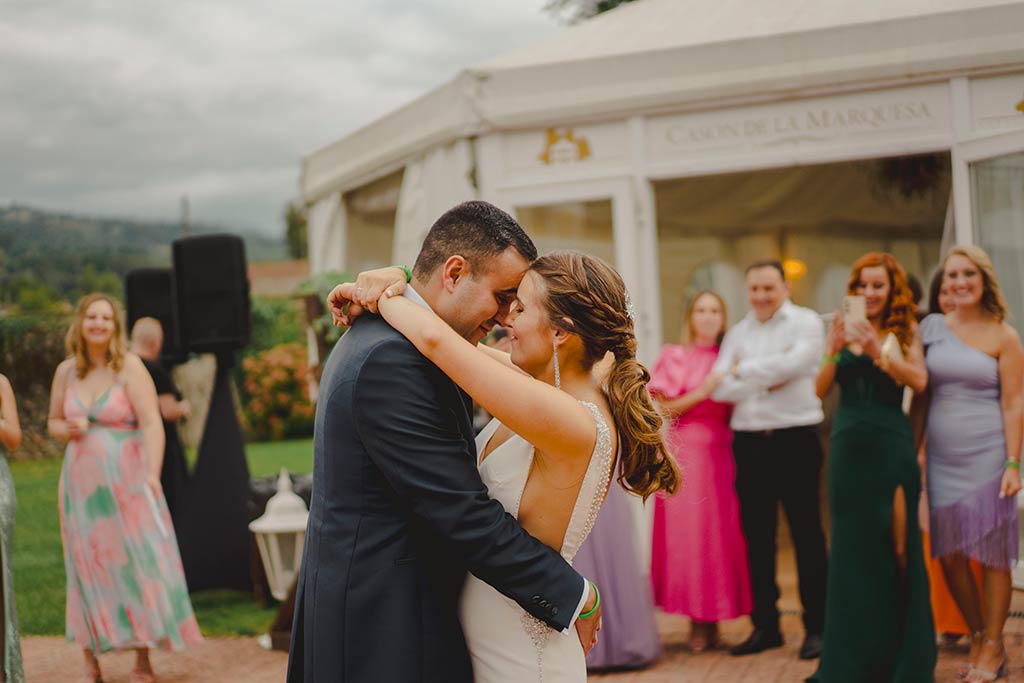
[(610, 557), (699, 555), (976, 369)]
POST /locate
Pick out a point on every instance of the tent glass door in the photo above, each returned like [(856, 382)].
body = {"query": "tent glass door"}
[(997, 193)]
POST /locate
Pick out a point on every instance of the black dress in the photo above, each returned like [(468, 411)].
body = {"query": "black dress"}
[(174, 474)]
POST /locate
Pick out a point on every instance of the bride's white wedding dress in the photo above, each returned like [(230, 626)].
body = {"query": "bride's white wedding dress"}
[(508, 645)]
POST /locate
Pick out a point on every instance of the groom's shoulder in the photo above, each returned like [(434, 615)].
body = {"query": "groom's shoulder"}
[(370, 338)]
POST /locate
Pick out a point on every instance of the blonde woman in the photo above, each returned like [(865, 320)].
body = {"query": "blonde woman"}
[(126, 586), (699, 556), (949, 622), (976, 369)]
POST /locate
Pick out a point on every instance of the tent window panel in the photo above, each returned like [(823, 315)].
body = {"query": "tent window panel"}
[(817, 219), (371, 211), (583, 226), (998, 198)]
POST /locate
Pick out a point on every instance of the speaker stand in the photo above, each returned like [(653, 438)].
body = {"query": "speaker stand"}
[(212, 524)]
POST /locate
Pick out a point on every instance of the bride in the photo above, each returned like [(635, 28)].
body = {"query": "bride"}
[(558, 436)]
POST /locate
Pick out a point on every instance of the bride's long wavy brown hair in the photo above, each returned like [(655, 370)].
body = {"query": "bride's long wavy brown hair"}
[(585, 296)]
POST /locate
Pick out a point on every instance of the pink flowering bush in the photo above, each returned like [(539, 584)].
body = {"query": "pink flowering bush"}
[(275, 394)]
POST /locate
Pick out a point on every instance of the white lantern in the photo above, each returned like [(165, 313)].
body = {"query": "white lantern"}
[(280, 533)]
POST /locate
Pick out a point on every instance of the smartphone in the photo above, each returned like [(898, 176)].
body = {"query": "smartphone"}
[(854, 308)]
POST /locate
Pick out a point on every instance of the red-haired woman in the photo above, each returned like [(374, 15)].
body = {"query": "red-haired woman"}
[(878, 620)]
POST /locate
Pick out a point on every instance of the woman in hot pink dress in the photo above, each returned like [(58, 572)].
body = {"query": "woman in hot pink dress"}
[(699, 563)]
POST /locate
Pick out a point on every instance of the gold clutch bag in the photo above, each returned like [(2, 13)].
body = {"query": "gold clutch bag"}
[(891, 348)]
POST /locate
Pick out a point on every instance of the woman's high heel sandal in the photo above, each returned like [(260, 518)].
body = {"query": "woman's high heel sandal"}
[(978, 675), (141, 676), (965, 669)]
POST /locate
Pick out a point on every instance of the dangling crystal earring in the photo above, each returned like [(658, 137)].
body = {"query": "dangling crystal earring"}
[(558, 375)]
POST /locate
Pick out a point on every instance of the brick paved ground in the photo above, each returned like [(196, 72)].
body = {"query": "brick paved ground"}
[(240, 660)]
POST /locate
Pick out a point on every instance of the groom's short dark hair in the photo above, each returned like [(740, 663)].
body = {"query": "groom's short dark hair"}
[(476, 231)]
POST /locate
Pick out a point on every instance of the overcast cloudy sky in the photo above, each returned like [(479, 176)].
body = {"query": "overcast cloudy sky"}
[(119, 107)]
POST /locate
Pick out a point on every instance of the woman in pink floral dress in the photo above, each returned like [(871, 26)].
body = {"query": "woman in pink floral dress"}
[(699, 556), (126, 586)]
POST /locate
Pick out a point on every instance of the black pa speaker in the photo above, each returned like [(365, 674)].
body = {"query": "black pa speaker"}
[(149, 293), (213, 292)]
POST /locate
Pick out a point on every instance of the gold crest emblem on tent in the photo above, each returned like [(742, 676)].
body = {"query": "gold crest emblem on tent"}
[(563, 145), (1020, 106)]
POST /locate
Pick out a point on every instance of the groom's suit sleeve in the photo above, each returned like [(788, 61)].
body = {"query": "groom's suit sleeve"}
[(405, 420)]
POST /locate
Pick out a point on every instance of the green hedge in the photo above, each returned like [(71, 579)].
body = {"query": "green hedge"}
[(31, 348)]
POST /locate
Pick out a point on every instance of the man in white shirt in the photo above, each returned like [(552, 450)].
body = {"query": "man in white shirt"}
[(767, 364)]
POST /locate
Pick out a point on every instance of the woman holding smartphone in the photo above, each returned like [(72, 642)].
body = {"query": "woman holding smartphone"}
[(883, 633)]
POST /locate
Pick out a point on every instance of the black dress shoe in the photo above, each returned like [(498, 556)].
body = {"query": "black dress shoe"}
[(759, 641), (811, 649)]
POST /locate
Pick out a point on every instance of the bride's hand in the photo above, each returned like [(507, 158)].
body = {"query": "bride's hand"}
[(362, 295), (587, 628), (339, 303)]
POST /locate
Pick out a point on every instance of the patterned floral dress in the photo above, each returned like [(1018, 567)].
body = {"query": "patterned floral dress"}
[(126, 585)]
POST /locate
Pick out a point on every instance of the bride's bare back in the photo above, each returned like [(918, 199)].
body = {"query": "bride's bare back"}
[(553, 484)]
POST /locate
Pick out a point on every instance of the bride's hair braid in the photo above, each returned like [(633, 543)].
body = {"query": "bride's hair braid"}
[(585, 296)]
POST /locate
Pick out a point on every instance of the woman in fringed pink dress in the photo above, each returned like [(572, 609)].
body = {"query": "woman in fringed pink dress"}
[(699, 556), (126, 586)]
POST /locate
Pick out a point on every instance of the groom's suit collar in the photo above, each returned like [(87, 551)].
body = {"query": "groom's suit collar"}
[(412, 295)]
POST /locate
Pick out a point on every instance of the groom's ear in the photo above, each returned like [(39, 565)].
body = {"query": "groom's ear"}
[(453, 269)]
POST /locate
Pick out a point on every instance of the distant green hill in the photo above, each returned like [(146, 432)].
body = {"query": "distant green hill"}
[(59, 255)]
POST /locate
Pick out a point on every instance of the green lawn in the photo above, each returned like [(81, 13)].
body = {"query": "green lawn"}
[(39, 561)]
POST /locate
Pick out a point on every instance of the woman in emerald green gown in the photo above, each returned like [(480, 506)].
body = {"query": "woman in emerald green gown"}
[(878, 620)]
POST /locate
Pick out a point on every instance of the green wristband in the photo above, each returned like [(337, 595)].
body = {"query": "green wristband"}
[(597, 603), (405, 269), (1015, 464), (834, 358)]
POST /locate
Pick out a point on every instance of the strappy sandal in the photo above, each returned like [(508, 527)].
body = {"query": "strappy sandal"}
[(965, 670), (977, 675), (704, 637), (140, 676)]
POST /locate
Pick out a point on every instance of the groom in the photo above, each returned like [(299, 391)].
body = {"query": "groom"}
[(399, 513)]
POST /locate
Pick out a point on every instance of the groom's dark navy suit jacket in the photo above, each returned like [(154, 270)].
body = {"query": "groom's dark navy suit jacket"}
[(397, 517)]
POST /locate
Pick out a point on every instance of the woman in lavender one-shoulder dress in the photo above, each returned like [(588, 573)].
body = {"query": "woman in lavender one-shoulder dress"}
[(976, 369)]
